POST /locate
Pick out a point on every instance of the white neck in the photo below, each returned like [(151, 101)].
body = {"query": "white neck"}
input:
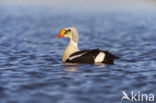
[(73, 43), (71, 48)]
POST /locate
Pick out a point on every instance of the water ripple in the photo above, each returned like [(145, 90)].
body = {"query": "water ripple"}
[(30, 58)]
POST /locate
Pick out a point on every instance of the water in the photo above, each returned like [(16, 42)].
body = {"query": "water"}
[(30, 58)]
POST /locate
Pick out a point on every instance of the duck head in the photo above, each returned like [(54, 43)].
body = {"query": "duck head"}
[(70, 33)]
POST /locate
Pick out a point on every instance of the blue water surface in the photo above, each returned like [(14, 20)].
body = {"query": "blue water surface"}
[(31, 70)]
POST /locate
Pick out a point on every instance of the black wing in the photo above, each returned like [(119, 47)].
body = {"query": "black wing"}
[(84, 56), (88, 56)]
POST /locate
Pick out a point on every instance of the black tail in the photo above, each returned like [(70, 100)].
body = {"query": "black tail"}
[(109, 58)]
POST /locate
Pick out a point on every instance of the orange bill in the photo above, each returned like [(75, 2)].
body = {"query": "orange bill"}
[(61, 34)]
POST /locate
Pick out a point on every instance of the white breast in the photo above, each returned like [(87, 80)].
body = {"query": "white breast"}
[(100, 57)]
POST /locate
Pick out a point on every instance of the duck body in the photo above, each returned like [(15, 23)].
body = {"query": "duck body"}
[(92, 57), (72, 54)]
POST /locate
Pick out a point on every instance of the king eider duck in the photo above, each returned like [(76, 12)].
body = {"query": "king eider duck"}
[(72, 53)]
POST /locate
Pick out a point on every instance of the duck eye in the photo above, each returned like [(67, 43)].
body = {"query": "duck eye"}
[(69, 30)]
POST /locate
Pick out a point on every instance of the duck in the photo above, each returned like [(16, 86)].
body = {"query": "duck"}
[(72, 53)]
